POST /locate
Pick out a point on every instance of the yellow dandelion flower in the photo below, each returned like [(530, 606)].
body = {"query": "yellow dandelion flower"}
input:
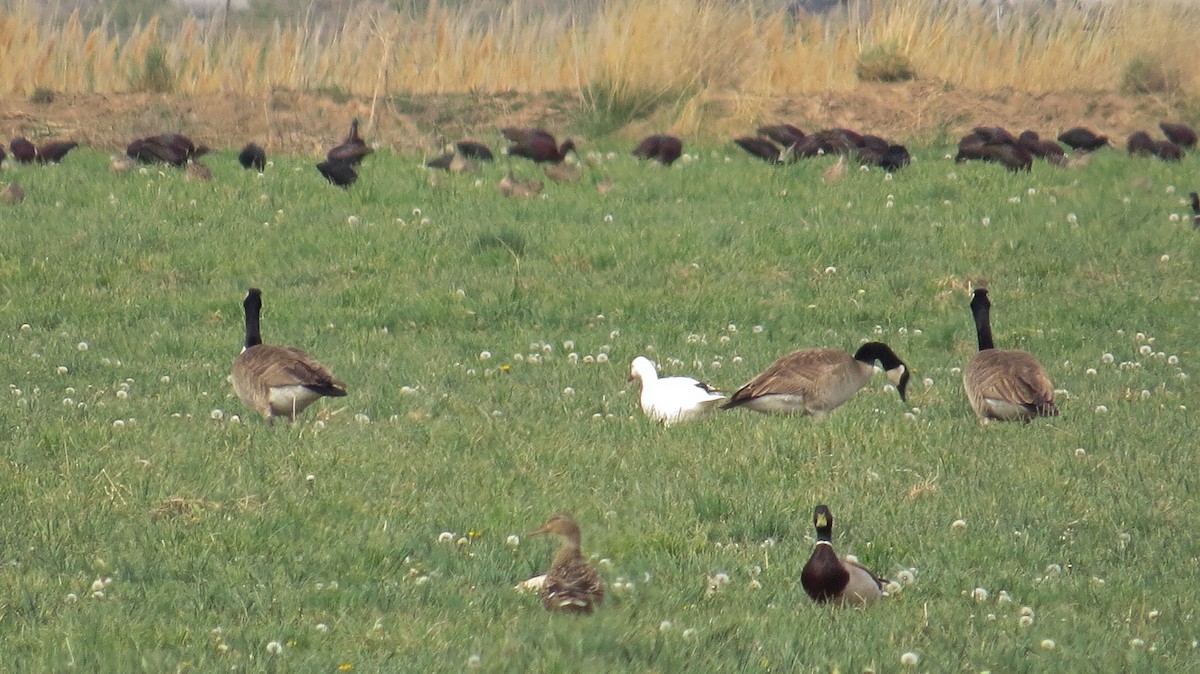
[(345, 667)]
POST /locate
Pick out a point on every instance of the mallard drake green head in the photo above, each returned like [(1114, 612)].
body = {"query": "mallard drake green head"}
[(829, 579)]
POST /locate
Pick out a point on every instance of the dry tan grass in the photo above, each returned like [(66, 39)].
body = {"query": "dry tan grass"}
[(685, 49)]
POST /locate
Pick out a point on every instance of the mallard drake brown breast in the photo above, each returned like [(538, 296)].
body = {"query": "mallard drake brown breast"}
[(827, 578)]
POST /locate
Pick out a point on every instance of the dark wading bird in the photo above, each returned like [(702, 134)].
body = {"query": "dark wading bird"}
[(350, 151), (1083, 139), (1140, 143), (764, 149), (994, 147), (23, 150), (1180, 134), (340, 173), (571, 585), (1004, 385), (278, 381), (1043, 149), (166, 148), (474, 150), (1195, 210), (828, 578), (52, 153), (818, 381), (661, 148), (253, 157), (537, 145), (784, 134)]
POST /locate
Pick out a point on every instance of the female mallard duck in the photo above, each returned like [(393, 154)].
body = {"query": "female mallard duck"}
[(278, 380), (571, 585), (672, 399), (827, 578), (1004, 384), (817, 381)]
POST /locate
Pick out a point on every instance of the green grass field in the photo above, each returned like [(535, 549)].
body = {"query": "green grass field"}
[(213, 537)]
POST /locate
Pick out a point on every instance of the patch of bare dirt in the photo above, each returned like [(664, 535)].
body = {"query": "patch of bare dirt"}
[(304, 124)]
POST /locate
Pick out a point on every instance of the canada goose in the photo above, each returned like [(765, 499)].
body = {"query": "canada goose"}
[(1080, 138), (253, 156), (1004, 384), (350, 151), (818, 381), (1180, 134), (1195, 210), (278, 380), (340, 173), (537, 145), (828, 579), (571, 585), (672, 400), (661, 148), (23, 150)]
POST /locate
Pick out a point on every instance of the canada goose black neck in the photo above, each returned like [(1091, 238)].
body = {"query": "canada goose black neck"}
[(253, 307), (980, 308), (878, 351)]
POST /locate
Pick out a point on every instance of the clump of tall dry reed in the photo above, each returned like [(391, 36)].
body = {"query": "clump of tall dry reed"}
[(624, 52)]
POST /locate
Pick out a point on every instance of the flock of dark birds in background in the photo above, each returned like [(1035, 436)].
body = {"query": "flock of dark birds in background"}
[(775, 144)]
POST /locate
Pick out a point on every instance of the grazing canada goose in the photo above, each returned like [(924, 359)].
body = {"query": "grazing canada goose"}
[(1195, 210), (12, 194), (1080, 138), (1180, 134), (1005, 385), (537, 145), (661, 148), (23, 150), (350, 151), (253, 156), (829, 579), (818, 381), (278, 380), (340, 173), (672, 400), (571, 585)]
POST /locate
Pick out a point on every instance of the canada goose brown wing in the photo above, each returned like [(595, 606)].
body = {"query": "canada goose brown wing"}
[(1011, 376), (806, 372), (276, 366)]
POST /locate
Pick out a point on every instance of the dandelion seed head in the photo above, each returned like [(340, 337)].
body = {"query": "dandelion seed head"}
[(274, 647), (665, 626), (958, 525), (1025, 620), (1048, 644), (82, 346), (910, 659), (979, 594)]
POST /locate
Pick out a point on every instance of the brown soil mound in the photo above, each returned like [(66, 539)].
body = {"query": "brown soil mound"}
[(302, 124)]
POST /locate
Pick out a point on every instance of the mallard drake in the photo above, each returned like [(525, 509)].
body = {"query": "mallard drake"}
[(817, 381), (571, 585), (672, 399), (278, 380), (1004, 384), (829, 579)]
